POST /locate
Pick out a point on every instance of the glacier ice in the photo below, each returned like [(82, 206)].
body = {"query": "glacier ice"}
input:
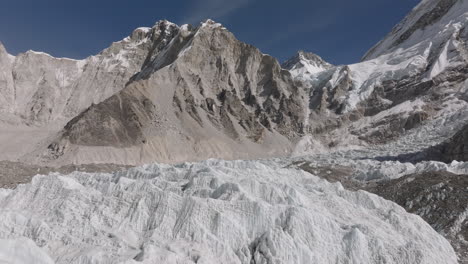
[(210, 212)]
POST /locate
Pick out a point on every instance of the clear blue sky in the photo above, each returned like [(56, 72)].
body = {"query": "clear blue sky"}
[(340, 31)]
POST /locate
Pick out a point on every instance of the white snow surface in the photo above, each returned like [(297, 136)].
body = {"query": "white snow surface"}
[(22, 251), (210, 212)]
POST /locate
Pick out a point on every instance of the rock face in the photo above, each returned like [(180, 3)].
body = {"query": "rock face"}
[(213, 212), (205, 94)]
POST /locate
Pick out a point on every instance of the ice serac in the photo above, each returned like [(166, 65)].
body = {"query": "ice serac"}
[(205, 94), (214, 212)]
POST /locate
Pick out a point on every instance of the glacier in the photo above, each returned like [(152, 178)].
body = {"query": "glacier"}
[(209, 212)]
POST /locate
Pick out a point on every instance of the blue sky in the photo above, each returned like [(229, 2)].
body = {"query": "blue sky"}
[(340, 31)]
